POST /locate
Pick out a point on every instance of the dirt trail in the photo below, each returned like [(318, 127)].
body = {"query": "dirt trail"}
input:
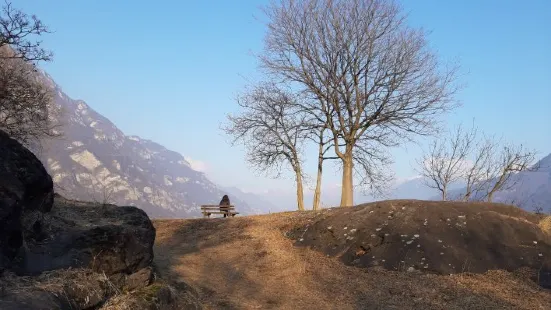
[(248, 263)]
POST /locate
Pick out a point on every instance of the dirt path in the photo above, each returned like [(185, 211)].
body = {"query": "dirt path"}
[(248, 263)]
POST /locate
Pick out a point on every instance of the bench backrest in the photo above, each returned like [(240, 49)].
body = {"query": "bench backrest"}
[(204, 207)]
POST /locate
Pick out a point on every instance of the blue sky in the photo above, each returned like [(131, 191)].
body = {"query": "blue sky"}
[(169, 70)]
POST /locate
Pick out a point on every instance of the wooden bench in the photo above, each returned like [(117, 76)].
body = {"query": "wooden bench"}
[(207, 210)]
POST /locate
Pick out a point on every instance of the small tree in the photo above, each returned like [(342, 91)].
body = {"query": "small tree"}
[(476, 176), (445, 161), (374, 80), (272, 129), (487, 165), (503, 166)]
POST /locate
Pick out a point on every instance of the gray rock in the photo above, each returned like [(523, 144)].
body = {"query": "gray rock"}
[(105, 238), (139, 279), (26, 192)]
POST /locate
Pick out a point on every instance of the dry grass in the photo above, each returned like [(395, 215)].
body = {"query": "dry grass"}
[(545, 225), (85, 289), (81, 288), (248, 263)]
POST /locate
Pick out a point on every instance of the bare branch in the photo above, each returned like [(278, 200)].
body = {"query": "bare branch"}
[(26, 112), (504, 166), (16, 32)]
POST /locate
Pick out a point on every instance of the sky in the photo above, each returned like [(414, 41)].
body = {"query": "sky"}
[(169, 71)]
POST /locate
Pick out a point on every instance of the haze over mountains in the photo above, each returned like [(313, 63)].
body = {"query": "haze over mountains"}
[(96, 161)]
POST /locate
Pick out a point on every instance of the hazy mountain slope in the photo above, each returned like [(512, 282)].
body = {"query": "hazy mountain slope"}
[(96, 161), (257, 201)]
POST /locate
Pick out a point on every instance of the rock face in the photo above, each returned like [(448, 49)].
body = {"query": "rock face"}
[(105, 238), (26, 192), (432, 236)]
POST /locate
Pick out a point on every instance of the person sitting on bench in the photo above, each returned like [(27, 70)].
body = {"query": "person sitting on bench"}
[(225, 202)]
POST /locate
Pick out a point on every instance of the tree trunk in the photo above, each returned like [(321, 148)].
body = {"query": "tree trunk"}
[(444, 193), (300, 192), (490, 196), (468, 192), (347, 195), (317, 192)]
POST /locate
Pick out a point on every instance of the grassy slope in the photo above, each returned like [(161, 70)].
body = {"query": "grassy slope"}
[(248, 263)]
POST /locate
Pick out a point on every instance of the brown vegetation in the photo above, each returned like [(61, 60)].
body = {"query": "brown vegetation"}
[(251, 263)]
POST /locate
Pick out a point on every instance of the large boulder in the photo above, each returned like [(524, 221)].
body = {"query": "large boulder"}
[(26, 192), (105, 238), (432, 236)]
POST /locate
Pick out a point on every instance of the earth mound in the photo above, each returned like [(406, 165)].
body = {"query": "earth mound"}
[(432, 236)]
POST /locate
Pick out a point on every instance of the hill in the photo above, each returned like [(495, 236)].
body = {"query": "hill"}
[(290, 261), (95, 161)]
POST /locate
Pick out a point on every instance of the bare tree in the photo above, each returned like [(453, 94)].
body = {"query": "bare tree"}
[(25, 110), (476, 176), (503, 166), (374, 79), (16, 31), (486, 164), (446, 160), (324, 145), (272, 129)]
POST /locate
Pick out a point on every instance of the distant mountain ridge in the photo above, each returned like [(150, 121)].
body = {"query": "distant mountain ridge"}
[(94, 160)]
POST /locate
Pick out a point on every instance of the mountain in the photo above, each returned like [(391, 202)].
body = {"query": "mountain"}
[(96, 161), (413, 188)]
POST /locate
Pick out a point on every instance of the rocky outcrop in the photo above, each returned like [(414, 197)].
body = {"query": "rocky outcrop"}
[(63, 254), (26, 193)]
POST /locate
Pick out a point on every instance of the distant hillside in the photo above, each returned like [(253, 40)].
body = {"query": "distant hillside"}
[(416, 188), (96, 161)]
